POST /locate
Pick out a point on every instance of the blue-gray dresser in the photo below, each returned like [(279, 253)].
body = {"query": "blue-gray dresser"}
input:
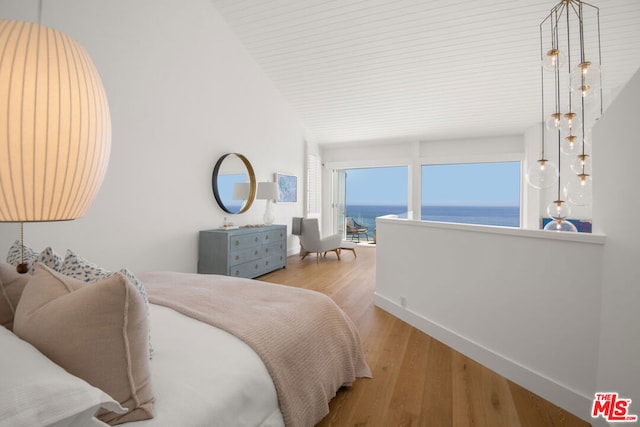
[(244, 252)]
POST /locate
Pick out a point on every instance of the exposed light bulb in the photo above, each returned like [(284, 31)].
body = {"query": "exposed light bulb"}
[(569, 122), (542, 174), (554, 121), (558, 209), (579, 190), (553, 59), (585, 77), (584, 67), (569, 145), (571, 140), (570, 116), (581, 164), (584, 177), (585, 90)]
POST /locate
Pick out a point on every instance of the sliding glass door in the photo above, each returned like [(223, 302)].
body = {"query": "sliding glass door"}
[(364, 194), (340, 200)]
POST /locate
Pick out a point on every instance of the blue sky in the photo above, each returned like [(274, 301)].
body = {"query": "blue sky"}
[(378, 186), (477, 184), (473, 184)]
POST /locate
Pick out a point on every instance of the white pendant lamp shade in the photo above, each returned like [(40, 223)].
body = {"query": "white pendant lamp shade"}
[(55, 127)]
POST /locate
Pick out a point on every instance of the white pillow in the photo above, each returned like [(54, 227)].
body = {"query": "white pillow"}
[(34, 391)]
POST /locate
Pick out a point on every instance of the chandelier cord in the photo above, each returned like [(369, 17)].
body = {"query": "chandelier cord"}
[(542, 85)]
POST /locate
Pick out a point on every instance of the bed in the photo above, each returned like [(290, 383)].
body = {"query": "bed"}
[(213, 363)]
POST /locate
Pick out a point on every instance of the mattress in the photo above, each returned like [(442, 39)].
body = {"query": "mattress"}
[(203, 376)]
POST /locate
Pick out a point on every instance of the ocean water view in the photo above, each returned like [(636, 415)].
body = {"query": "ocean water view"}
[(508, 216)]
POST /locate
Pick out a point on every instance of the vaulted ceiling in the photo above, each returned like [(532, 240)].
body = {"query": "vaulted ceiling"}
[(358, 70)]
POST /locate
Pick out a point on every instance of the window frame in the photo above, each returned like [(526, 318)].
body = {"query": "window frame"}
[(478, 159)]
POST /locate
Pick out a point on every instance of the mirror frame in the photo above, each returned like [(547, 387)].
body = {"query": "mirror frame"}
[(252, 183)]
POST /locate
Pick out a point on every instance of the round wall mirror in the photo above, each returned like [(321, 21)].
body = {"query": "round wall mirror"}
[(234, 183)]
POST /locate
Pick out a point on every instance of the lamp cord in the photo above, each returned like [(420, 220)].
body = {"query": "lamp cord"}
[(23, 267), (22, 242), (39, 12)]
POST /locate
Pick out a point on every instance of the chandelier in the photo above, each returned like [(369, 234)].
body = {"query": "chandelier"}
[(570, 57)]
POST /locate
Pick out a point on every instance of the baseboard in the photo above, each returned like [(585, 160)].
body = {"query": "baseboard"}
[(562, 396)]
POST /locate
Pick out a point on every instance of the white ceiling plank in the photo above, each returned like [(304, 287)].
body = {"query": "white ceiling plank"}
[(376, 69)]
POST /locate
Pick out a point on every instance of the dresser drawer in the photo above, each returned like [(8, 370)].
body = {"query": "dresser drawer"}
[(275, 236), (273, 248), (275, 261), (237, 243), (245, 255), (248, 269)]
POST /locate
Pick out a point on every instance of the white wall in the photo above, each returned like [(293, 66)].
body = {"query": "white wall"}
[(559, 317), (511, 299), (182, 91), (616, 155)]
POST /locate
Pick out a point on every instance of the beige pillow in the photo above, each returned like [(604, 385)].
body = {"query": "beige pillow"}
[(97, 332), (11, 285)]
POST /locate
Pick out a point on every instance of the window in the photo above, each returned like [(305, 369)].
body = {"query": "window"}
[(472, 193), (374, 192)]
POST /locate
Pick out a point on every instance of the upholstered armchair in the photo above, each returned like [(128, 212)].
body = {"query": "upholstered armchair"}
[(310, 240)]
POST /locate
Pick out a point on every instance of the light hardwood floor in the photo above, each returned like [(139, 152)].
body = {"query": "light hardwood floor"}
[(417, 381)]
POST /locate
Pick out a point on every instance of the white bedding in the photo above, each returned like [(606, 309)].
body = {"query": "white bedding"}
[(203, 376)]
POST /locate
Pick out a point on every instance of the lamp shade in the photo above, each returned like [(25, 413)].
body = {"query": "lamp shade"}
[(55, 127), (241, 191), (267, 191)]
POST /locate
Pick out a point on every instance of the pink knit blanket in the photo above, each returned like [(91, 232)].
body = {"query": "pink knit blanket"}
[(308, 344)]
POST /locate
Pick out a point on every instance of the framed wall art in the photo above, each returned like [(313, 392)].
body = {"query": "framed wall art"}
[(287, 188)]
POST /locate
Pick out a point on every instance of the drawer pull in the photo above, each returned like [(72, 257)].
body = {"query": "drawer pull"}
[(266, 237), (237, 257), (266, 263), (256, 252), (256, 238), (266, 250), (237, 242), (237, 272), (256, 267)]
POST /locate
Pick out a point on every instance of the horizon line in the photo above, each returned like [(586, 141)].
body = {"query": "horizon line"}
[(435, 205)]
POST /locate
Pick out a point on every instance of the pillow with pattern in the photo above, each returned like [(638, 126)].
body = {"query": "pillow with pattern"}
[(79, 268), (47, 256), (14, 257)]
